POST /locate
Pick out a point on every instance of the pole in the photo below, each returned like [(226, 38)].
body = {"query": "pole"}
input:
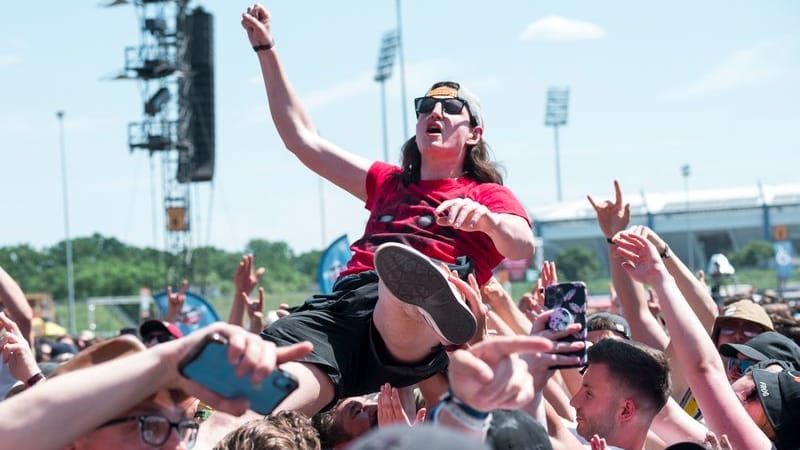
[(402, 70), (558, 167), (70, 272), (322, 214), (383, 117), (689, 243)]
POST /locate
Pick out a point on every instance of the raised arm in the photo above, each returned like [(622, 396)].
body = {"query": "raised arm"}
[(693, 290), (102, 391), (17, 306), (614, 217), (702, 365), (344, 169)]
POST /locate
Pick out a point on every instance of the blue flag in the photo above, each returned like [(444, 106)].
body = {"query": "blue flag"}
[(333, 260), (196, 312)]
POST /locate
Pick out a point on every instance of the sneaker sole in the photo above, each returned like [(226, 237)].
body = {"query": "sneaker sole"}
[(414, 279)]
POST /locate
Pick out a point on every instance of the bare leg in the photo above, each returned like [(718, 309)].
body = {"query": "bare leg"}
[(404, 331), (315, 391)]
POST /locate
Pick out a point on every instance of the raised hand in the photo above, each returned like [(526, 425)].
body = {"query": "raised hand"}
[(640, 257), (245, 279), (255, 310), (16, 352), (491, 375), (175, 302), (540, 364), (256, 21), (612, 217), (391, 411), (472, 296)]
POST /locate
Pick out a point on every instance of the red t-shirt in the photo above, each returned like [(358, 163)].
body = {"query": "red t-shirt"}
[(406, 214)]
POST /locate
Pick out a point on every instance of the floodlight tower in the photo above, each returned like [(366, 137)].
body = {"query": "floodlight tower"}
[(556, 116), (174, 66), (384, 72)]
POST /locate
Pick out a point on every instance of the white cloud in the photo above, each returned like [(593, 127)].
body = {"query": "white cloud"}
[(9, 59), (756, 64), (557, 28)]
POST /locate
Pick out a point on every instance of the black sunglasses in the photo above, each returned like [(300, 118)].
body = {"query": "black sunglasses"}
[(424, 105)]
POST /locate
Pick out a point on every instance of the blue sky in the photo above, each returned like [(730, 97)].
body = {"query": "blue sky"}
[(712, 84)]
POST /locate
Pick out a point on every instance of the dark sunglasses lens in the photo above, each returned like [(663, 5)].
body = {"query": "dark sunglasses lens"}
[(424, 105), (452, 105)]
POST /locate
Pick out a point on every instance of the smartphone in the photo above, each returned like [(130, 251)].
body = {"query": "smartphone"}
[(568, 302), (208, 366)]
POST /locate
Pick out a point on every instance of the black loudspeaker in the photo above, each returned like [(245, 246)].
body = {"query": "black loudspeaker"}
[(197, 94)]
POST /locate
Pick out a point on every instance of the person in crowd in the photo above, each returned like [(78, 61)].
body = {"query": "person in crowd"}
[(244, 281), (603, 325), (765, 346), (724, 411), (130, 396), (18, 357), (156, 331), (393, 310), (280, 431)]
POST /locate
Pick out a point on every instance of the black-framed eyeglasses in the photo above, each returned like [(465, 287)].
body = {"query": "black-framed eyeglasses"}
[(155, 429)]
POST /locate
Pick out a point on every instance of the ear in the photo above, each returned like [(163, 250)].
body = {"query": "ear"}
[(627, 410), (476, 133)]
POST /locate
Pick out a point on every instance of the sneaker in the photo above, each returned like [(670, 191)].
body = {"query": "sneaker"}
[(414, 279)]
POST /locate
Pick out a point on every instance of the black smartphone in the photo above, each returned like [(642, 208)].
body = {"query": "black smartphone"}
[(208, 366), (568, 302)]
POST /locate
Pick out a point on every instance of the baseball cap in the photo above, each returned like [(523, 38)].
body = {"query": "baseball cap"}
[(455, 90), (767, 345), (607, 321), (746, 310), (515, 429), (153, 325), (101, 352), (779, 394)]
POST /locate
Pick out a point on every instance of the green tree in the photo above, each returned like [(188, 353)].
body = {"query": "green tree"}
[(753, 254), (577, 264)]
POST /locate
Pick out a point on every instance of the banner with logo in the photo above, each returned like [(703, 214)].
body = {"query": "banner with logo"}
[(333, 260), (195, 314)]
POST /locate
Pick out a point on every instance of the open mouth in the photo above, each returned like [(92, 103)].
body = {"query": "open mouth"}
[(434, 129)]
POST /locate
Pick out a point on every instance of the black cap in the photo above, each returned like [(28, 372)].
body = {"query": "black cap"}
[(598, 321), (779, 394), (767, 345), (515, 429)]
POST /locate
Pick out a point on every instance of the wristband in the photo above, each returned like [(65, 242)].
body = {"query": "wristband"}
[(258, 48), (610, 241), (34, 379), (665, 254), (470, 411)]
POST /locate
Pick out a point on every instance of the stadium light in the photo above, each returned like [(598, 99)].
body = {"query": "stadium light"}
[(556, 116), (386, 56)]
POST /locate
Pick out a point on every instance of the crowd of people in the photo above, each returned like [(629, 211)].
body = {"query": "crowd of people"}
[(418, 345)]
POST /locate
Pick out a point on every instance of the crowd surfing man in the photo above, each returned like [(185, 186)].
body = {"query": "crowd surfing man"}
[(392, 309)]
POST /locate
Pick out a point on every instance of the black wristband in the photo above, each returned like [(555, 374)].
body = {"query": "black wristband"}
[(258, 48), (665, 253), (610, 241), (35, 378)]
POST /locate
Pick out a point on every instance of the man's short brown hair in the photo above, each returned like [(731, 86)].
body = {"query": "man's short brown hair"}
[(642, 370), (286, 429)]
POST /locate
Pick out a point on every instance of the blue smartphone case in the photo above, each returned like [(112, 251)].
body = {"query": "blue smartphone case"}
[(210, 368)]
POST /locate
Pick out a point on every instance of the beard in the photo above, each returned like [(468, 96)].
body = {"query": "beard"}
[(602, 426)]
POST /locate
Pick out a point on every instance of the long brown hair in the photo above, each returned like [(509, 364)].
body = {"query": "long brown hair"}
[(478, 164)]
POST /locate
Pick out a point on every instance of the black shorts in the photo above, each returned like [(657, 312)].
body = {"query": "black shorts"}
[(347, 346)]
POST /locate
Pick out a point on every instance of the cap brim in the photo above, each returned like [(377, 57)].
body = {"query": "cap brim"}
[(101, 352), (733, 350)]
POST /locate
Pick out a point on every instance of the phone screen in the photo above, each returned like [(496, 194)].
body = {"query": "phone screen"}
[(568, 302), (208, 365)]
